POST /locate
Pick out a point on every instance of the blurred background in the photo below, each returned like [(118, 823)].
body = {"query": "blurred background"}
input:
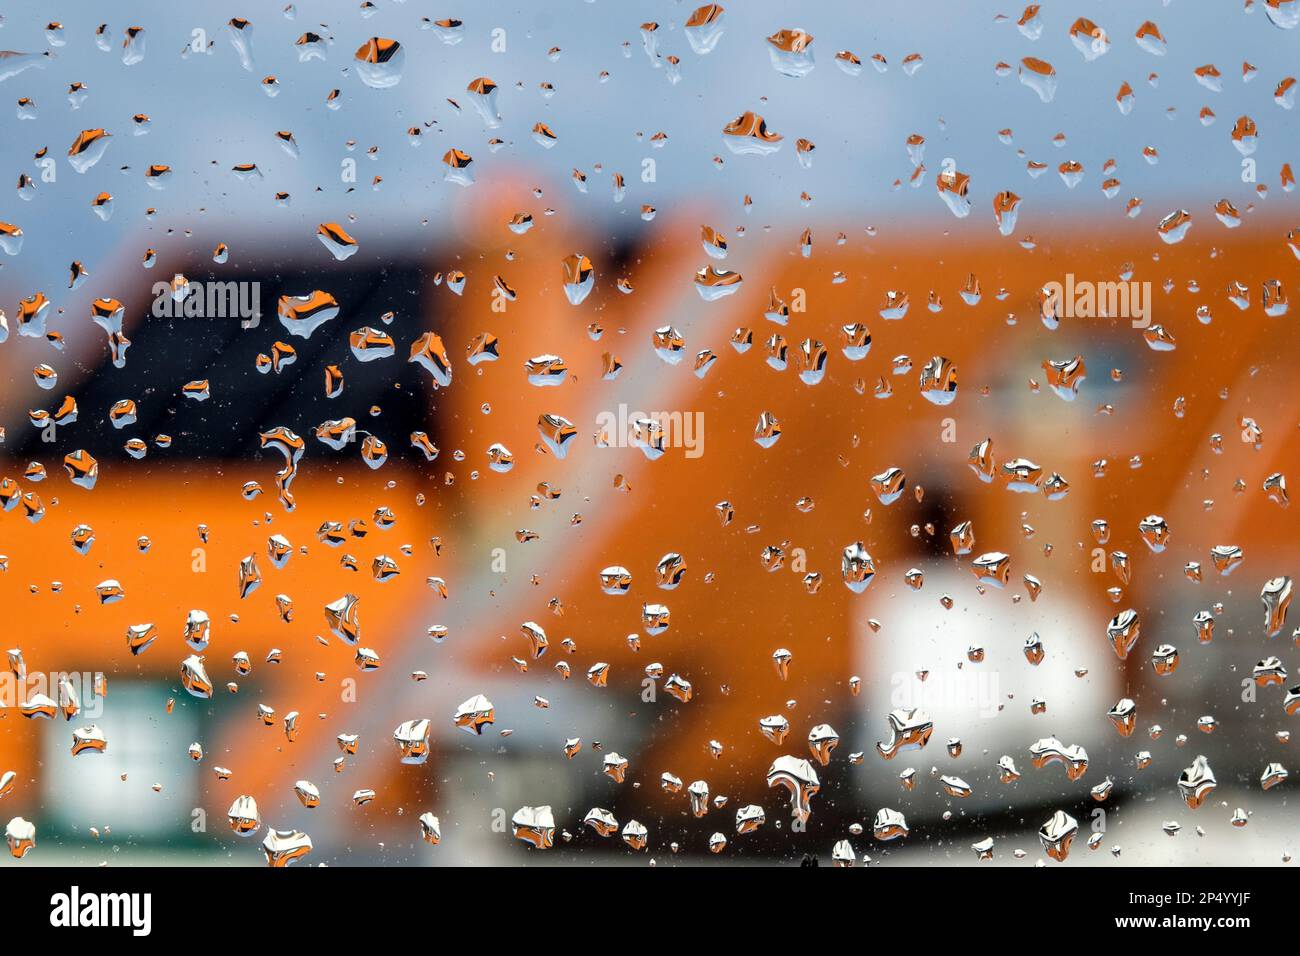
[(637, 115)]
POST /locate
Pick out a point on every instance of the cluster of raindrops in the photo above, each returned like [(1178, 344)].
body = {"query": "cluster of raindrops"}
[(780, 766)]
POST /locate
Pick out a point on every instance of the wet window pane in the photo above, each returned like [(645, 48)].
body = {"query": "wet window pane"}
[(664, 434)]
